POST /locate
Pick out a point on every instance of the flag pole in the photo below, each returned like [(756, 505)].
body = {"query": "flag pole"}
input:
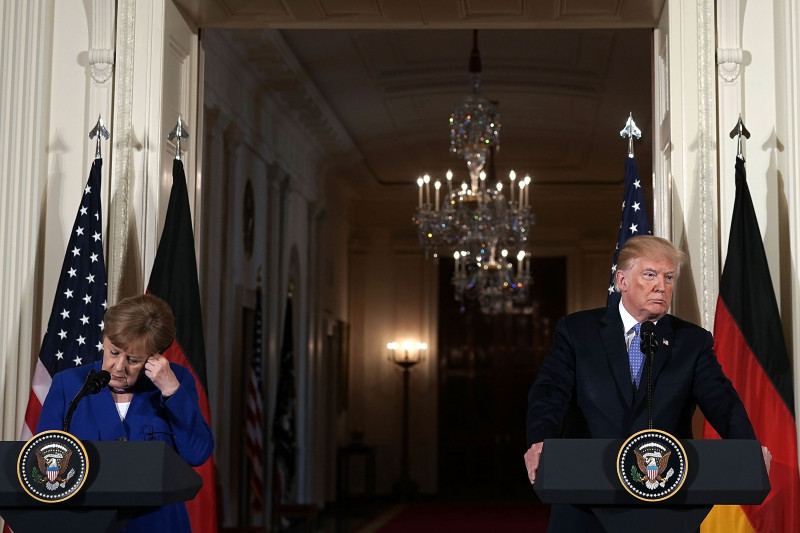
[(179, 134), (630, 131), (737, 131), (633, 220), (100, 132)]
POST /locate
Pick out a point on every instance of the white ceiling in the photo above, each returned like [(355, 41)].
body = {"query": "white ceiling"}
[(375, 81), (563, 96)]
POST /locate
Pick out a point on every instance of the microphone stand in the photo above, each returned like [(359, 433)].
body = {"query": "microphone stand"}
[(650, 390), (94, 383), (649, 346)]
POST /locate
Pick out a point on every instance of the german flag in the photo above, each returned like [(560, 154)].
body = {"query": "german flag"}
[(174, 280), (750, 345)]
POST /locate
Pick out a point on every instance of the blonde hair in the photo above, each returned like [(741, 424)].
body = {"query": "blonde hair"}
[(144, 322), (648, 246)]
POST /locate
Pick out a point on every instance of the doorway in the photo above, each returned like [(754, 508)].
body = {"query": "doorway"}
[(487, 363)]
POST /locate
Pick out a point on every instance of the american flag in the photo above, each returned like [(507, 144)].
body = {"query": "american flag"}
[(74, 334), (633, 223), (254, 442)]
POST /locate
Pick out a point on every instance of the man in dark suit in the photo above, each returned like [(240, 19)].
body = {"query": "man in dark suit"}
[(589, 387)]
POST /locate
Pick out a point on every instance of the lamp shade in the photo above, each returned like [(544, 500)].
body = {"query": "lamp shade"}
[(407, 353)]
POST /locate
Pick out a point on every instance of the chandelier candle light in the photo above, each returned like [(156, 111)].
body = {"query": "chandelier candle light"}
[(484, 230)]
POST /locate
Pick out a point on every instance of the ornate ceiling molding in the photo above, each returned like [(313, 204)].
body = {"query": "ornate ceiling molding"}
[(360, 14), (283, 77)]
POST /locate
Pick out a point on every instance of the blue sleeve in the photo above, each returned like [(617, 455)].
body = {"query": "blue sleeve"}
[(193, 439)]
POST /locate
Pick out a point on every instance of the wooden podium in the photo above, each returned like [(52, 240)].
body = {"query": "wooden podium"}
[(583, 472), (125, 479)]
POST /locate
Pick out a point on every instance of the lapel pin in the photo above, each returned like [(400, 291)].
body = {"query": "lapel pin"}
[(665, 341)]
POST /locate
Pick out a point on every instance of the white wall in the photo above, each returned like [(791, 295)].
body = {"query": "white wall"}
[(757, 89), (54, 94)]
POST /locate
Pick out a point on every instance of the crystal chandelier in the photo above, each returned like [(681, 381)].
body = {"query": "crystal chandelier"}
[(485, 231)]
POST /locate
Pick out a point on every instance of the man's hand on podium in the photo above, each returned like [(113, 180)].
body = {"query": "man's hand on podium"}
[(767, 457), (532, 460)]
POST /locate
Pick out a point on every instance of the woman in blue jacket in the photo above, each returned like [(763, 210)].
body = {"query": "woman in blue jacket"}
[(148, 398)]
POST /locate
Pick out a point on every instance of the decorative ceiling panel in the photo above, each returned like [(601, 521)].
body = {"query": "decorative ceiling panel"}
[(493, 8), (262, 8), (563, 96), (348, 8), (374, 81), (590, 8)]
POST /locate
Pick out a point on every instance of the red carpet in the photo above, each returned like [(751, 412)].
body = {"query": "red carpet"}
[(461, 517)]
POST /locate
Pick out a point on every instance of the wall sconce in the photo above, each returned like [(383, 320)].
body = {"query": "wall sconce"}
[(406, 355)]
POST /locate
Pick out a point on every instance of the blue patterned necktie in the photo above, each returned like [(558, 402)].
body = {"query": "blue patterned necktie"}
[(636, 356)]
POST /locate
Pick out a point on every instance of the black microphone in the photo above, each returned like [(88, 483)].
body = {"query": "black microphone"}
[(95, 382), (98, 382), (649, 342)]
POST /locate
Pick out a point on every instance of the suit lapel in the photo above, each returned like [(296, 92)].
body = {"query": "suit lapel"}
[(102, 408), (112, 427), (665, 335), (616, 352)]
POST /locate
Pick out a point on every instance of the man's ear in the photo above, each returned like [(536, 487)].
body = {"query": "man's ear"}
[(622, 280)]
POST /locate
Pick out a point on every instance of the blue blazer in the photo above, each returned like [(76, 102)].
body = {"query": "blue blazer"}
[(584, 390), (176, 420)]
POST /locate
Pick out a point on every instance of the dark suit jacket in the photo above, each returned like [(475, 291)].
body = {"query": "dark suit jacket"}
[(584, 389), (176, 420)]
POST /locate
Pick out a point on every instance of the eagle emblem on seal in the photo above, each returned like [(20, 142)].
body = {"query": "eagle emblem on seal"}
[(652, 464), (54, 465)]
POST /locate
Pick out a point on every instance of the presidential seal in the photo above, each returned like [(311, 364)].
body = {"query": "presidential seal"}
[(651, 465), (52, 466)]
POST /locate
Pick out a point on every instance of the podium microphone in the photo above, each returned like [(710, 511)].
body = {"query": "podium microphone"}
[(95, 382), (649, 345)]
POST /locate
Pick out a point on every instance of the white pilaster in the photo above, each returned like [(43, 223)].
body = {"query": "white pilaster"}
[(760, 96), (156, 81), (693, 166), (101, 53), (662, 140), (707, 177), (789, 131), (25, 42), (123, 147)]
